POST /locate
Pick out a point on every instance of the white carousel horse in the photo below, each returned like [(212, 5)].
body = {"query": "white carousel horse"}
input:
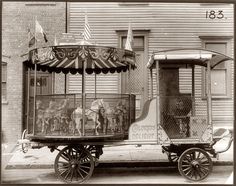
[(91, 113)]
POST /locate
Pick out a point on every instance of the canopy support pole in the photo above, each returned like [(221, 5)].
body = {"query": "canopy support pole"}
[(158, 94), (83, 98), (95, 90), (28, 97), (151, 82), (35, 85), (65, 84), (208, 86), (193, 91), (129, 95)]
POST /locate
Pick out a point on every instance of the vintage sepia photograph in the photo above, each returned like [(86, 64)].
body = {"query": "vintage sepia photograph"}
[(125, 92)]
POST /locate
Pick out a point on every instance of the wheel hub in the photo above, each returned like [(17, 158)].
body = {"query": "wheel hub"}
[(73, 163), (195, 164)]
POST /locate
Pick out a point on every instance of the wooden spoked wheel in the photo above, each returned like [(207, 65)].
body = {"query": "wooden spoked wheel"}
[(195, 164), (24, 146), (74, 164), (173, 157)]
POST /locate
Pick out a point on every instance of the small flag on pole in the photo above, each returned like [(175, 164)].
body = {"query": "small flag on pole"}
[(31, 38), (39, 29), (129, 40), (87, 32)]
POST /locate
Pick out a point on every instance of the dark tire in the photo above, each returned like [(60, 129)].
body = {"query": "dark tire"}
[(74, 164), (195, 164)]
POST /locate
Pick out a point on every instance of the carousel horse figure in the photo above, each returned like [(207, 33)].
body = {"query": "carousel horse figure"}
[(121, 116), (39, 115), (91, 113), (62, 117), (107, 118), (48, 117)]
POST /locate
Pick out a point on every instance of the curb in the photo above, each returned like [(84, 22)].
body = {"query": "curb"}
[(115, 164)]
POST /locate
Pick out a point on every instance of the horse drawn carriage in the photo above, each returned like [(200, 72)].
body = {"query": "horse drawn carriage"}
[(180, 122)]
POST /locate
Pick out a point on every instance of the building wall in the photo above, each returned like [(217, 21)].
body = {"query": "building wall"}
[(17, 17), (177, 25), (171, 26)]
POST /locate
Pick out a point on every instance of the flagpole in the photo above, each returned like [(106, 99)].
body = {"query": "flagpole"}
[(28, 86), (35, 80), (35, 19)]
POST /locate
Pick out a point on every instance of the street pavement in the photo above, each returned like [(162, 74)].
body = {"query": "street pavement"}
[(127, 155), (119, 175)]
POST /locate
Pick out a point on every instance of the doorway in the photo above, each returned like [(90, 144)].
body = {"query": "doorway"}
[(138, 77), (44, 86)]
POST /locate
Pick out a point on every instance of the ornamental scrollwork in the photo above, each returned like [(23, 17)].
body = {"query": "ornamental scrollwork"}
[(117, 55), (71, 53), (59, 53), (99, 53), (43, 54)]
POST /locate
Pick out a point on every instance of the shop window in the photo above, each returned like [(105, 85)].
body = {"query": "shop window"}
[(4, 81), (221, 74)]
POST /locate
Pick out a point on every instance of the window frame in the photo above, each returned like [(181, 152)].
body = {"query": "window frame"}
[(136, 33), (219, 40)]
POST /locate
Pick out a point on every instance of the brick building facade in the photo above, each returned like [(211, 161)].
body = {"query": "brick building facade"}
[(17, 17)]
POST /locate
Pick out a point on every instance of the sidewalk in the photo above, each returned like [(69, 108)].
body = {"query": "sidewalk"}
[(128, 155)]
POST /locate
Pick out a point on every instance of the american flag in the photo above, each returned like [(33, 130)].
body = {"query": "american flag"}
[(129, 40), (87, 32)]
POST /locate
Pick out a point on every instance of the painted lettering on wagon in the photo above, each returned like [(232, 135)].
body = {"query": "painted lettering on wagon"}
[(143, 132)]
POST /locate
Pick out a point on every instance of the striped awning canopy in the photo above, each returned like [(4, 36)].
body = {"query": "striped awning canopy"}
[(188, 56), (71, 58)]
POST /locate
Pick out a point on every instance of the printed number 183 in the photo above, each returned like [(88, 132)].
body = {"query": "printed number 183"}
[(212, 14)]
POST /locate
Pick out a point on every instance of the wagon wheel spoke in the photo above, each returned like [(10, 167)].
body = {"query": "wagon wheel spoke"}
[(65, 157), (74, 164), (84, 171), (71, 176), (64, 171), (188, 168), (195, 164), (81, 175)]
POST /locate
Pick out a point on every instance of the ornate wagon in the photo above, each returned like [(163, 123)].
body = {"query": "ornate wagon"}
[(84, 123)]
